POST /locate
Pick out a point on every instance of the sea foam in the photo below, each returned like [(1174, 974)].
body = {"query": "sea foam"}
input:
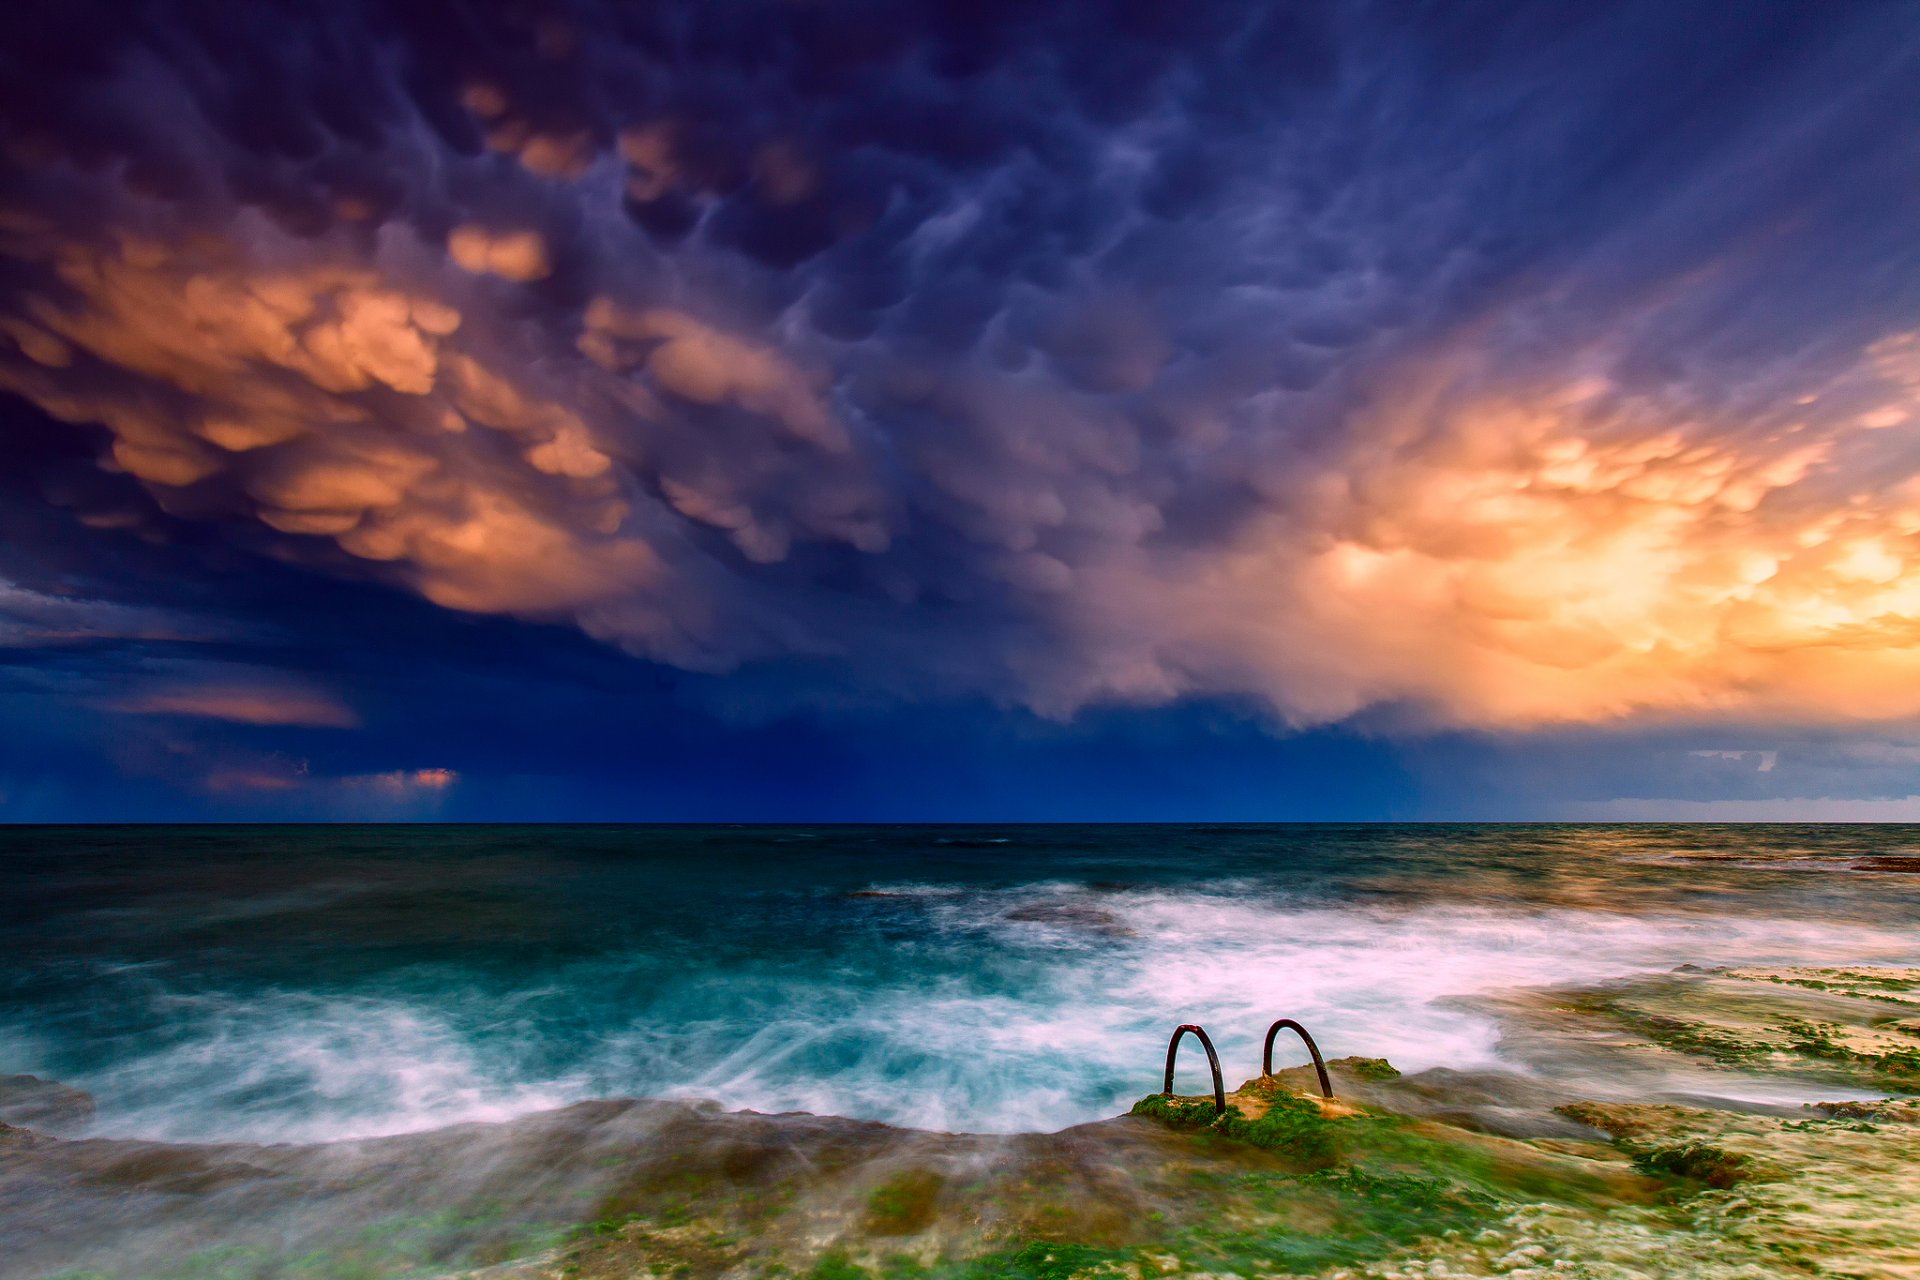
[(1028, 1007)]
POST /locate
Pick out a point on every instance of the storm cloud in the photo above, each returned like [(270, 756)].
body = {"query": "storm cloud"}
[(1471, 365)]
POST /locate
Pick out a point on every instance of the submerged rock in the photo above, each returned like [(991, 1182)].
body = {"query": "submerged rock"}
[(1072, 915), (46, 1105), (1885, 1110), (1433, 1173), (630, 1188), (1887, 862)]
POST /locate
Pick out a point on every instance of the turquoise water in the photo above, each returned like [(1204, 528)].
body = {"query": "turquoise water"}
[(305, 983)]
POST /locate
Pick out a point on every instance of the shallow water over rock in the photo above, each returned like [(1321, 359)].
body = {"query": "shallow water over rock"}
[(292, 984)]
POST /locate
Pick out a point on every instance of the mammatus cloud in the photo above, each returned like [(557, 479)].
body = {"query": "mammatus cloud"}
[(971, 369), (1513, 555)]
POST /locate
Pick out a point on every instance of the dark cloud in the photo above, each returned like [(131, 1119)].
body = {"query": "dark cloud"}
[(1329, 356)]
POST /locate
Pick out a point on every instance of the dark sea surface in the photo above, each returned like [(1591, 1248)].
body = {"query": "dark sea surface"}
[(308, 983)]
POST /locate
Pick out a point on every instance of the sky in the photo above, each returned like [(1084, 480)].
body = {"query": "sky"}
[(837, 410)]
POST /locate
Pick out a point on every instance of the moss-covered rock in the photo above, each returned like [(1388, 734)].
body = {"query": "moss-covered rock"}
[(1701, 1161), (1289, 1123), (1408, 1175), (1372, 1069), (1884, 1110)]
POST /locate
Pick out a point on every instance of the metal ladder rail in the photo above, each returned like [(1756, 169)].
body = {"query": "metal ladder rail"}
[(1266, 1055), (1213, 1061)]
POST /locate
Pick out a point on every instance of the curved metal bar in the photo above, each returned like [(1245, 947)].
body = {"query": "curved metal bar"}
[(1319, 1064), (1213, 1061)]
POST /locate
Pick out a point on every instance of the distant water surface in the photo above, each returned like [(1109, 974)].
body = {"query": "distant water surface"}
[(306, 983)]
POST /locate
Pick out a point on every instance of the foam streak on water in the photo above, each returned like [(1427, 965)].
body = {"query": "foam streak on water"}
[(405, 981)]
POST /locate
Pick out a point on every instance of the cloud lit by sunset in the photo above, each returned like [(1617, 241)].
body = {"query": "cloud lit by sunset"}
[(799, 599), (1337, 371)]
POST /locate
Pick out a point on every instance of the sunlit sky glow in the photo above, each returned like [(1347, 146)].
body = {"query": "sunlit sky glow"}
[(808, 409)]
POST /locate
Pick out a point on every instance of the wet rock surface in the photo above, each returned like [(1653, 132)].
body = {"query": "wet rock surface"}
[(484, 1193), (1889, 862), (1072, 915), (1432, 1173), (46, 1105)]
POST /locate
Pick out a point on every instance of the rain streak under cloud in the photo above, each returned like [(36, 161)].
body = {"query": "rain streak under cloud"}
[(1471, 367)]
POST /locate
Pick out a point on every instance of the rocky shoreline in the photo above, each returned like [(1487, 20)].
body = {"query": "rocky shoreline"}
[(1440, 1173)]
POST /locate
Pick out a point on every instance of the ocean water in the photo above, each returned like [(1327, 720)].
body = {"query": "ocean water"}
[(315, 983)]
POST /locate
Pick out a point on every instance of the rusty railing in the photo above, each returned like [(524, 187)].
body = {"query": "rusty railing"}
[(1213, 1061), (1266, 1058), (1319, 1064)]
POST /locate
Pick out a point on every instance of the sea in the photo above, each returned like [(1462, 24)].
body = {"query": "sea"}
[(312, 983)]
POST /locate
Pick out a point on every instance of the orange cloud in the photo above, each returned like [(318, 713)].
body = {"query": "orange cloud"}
[(372, 409), (700, 363), (263, 705), (249, 779), (1486, 546), (404, 780), (1520, 556), (273, 775), (512, 255)]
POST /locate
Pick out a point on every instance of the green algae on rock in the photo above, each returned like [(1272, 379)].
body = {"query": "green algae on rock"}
[(1436, 1173), (1283, 1184), (1827, 1024), (1288, 1123), (1702, 1161), (1373, 1068)]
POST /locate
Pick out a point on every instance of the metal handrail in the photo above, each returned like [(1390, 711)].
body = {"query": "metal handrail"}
[(1266, 1055), (1213, 1061)]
